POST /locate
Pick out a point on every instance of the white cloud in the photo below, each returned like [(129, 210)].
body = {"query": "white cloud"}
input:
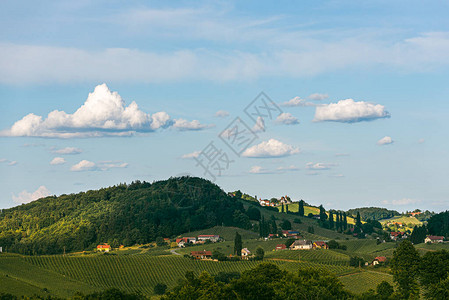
[(27, 197), (297, 101), (57, 161), (386, 140), (287, 119), (86, 165), (103, 114), (191, 155), (68, 150), (421, 141), (318, 97), (319, 166), (8, 162), (258, 170), (403, 201), (259, 126), (341, 154), (350, 111), (222, 114), (183, 125), (288, 168), (270, 148)]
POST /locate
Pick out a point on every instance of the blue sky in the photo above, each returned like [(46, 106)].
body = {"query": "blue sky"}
[(94, 93)]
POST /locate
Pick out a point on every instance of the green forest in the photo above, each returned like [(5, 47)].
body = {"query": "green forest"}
[(125, 214)]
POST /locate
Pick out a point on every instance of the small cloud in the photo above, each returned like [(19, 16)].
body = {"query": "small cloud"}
[(260, 125), (287, 119), (185, 125), (12, 163), (403, 201), (191, 155), (222, 114), (259, 170), (337, 175), (386, 140), (270, 148), (8, 162), (84, 165), (26, 197), (288, 168), (297, 101), (318, 97), (57, 161), (421, 141), (67, 150), (319, 166), (350, 111), (312, 173)]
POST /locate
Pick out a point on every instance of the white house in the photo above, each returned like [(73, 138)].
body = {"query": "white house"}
[(434, 239), (301, 245), (246, 253), (209, 237)]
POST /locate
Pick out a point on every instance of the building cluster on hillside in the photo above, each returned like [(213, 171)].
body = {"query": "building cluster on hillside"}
[(303, 245), (396, 235), (283, 200), (201, 239)]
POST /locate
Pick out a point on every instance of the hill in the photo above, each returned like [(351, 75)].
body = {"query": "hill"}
[(373, 213), (123, 214)]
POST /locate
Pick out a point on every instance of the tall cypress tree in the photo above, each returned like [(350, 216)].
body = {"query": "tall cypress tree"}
[(238, 244), (323, 215), (274, 227), (286, 208), (337, 220), (358, 221), (301, 208), (282, 207), (345, 221), (331, 220)]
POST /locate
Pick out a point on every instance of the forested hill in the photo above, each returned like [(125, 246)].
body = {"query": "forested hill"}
[(373, 213), (123, 214)]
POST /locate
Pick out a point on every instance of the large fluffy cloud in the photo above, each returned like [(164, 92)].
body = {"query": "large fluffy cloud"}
[(103, 114), (270, 148), (350, 111), (57, 161), (27, 197)]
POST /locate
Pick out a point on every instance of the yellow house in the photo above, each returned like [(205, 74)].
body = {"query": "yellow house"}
[(104, 248)]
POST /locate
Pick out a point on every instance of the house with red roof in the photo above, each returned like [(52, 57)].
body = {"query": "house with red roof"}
[(201, 254), (379, 260), (104, 248), (280, 247), (434, 239), (320, 245)]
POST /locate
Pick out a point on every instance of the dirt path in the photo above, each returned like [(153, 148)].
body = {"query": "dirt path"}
[(173, 251)]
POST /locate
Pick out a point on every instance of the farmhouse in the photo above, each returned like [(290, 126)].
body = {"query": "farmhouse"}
[(394, 235), (320, 245), (209, 237), (290, 233), (201, 254), (280, 247), (434, 239), (301, 245), (104, 248), (379, 259), (246, 253), (185, 240)]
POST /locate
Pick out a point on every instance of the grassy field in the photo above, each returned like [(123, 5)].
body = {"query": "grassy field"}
[(321, 256), (368, 249), (409, 222), (28, 278), (140, 273), (363, 281)]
